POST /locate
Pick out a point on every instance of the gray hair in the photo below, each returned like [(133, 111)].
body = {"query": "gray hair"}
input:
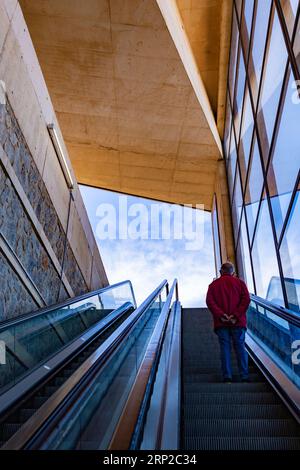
[(227, 268)]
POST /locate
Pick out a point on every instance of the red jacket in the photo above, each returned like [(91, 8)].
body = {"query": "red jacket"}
[(228, 295)]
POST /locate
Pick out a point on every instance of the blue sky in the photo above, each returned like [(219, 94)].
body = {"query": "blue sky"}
[(145, 261)]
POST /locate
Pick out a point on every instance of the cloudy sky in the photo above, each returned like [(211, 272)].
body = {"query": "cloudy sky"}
[(133, 254)]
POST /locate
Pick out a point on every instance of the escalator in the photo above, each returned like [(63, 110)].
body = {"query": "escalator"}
[(153, 382), (221, 416), (44, 349)]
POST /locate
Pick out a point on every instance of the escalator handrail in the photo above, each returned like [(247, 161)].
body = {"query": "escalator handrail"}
[(42, 311), (167, 427), (33, 431), (281, 312), (132, 420)]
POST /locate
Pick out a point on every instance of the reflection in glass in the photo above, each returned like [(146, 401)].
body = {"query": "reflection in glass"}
[(259, 40), (276, 336), (238, 4), (289, 8), (290, 256), (247, 23), (243, 257), (237, 203), (227, 127), (246, 136), (237, 105), (285, 163), (254, 189), (233, 56), (297, 45), (276, 60), (264, 258), (232, 162)]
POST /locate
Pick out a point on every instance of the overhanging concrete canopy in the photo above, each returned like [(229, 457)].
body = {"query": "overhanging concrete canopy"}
[(127, 109)]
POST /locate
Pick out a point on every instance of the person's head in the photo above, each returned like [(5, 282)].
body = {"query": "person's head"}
[(227, 268)]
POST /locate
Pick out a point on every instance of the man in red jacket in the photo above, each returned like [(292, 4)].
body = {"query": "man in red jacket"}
[(228, 299)]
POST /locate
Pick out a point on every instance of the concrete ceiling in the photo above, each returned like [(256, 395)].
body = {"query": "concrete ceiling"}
[(126, 107)]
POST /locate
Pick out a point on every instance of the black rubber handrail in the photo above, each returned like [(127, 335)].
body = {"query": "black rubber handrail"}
[(40, 425), (42, 311), (282, 312)]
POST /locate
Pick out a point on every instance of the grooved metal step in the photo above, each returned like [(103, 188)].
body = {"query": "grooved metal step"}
[(242, 427), (219, 416), (239, 398), (241, 443), (233, 411), (256, 387)]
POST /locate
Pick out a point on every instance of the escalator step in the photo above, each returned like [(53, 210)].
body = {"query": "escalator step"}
[(59, 381), (242, 427), (210, 369), (39, 401), (256, 387), (8, 429), (233, 411), (26, 413), (49, 390), (242, 443), (239, 398), (215, 378)]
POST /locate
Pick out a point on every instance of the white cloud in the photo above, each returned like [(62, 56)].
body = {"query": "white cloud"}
[(147, 262)]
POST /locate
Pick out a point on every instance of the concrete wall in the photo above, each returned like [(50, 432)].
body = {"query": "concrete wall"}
[(224, 214), (47, 248)]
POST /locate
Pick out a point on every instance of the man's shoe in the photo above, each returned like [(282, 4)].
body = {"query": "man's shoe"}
[(245, 380), (227, 380)]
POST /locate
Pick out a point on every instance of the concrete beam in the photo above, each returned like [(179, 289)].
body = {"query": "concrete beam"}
[(171, 14)]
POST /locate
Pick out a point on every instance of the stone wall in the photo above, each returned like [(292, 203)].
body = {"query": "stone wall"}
[(47, 248)]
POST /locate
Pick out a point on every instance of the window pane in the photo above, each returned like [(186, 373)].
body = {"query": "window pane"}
[(248, 14), (237, 203), (247, 23), (289, 8), (246, 136), (243, 257), (215, 226), (254, 189), (266, 272), (272, 84), (289, 252), (231, 163), (259, 41), (238, 4), (285, 163), (237, 105), (227, 127), (233, 56), (297, 45)]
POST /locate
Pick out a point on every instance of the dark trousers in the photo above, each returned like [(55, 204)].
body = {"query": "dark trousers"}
[(237, 336)]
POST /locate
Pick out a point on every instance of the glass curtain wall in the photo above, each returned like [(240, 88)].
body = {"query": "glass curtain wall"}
[(262, 146)]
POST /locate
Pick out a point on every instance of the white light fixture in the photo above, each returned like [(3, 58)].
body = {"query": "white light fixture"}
[(60, 155)]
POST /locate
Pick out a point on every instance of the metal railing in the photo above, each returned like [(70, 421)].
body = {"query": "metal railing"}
[(273, 336)]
